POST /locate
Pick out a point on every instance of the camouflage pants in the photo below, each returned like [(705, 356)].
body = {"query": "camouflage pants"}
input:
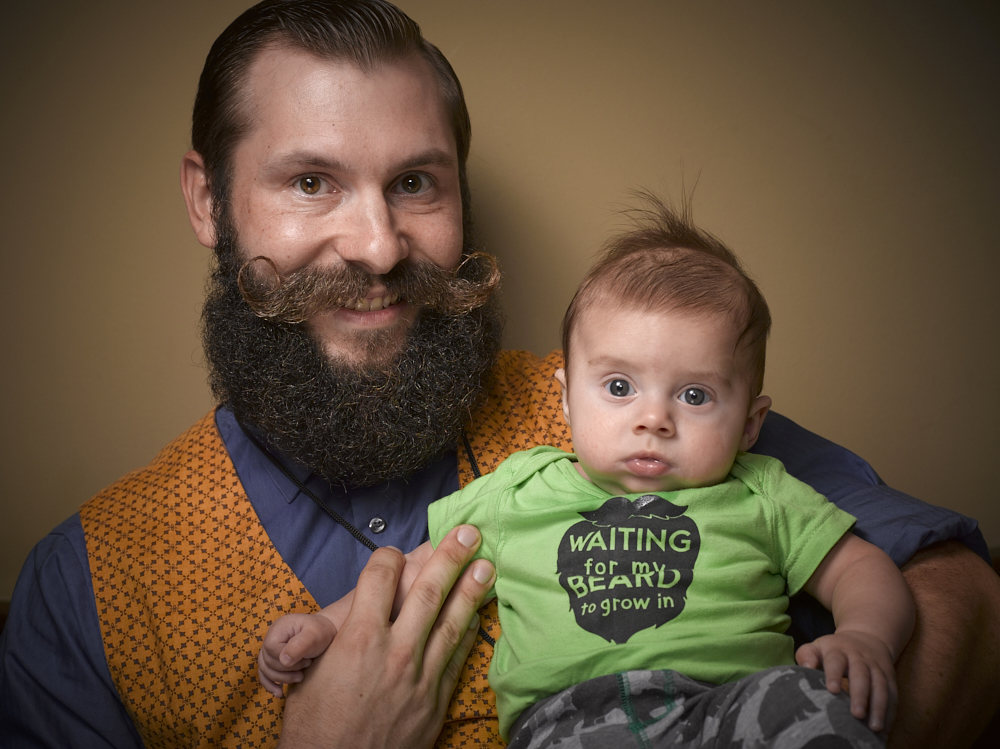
[(786, 706)]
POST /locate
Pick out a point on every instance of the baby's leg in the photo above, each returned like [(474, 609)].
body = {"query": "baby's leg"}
[(786, 706)]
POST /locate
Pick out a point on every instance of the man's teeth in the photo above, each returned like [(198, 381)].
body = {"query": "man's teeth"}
[(372, 305)]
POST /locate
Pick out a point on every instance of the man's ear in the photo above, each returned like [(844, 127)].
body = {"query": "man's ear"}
[(198, 198), (751, 430), (561, 376)]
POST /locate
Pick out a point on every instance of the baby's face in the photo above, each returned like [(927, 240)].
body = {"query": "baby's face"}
[(657, 401)]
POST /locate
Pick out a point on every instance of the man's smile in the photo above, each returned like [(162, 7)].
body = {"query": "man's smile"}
[(371, 304)]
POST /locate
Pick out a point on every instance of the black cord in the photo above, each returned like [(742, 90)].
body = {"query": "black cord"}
[(308, 492), (472, 457)]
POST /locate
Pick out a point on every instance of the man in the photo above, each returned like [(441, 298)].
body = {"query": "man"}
[(328, 173)]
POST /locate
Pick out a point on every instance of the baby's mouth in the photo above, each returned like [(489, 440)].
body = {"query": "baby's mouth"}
[(648, 466)]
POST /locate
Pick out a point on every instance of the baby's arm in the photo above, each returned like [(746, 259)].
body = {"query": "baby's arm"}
[(294, 640), (874, 614)]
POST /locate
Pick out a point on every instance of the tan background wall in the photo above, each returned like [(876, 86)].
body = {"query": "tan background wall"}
[(849, 151)]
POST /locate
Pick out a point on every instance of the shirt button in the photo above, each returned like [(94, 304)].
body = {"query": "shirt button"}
[(376, 524)]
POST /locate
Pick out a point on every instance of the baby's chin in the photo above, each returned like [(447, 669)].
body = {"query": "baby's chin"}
[(631, 484), (648, 476)]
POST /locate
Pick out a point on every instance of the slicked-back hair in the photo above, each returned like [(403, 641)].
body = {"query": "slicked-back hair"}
[(667, 264), (365, 33)]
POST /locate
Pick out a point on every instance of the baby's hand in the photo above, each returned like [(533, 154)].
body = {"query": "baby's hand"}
[(290, 646), (294, 640), (867, 663)]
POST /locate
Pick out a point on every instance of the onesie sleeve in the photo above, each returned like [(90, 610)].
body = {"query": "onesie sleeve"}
[(475, 504), (805, 526)]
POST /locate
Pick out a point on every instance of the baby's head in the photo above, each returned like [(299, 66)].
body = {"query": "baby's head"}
[(664, 343)]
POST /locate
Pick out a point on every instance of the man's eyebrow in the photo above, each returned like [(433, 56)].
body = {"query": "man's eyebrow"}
[(432, 157), (313, 160), (302, 160)]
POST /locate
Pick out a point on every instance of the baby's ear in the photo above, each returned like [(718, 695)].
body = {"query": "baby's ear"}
[(751, 430), (561, 376)]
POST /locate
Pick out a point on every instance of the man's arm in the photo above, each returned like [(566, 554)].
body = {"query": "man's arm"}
[(948, 674), (55, 687), (387, 684)]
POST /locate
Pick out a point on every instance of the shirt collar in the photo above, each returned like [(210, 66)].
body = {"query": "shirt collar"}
[(249, 461)]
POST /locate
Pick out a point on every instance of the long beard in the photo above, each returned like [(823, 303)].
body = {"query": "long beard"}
[(354, 424)]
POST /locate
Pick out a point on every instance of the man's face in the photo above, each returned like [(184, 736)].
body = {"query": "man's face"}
[(346, 171), (346, 167), (657, 401)]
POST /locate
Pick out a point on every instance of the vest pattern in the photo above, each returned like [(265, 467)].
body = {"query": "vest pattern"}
[(187, 582)]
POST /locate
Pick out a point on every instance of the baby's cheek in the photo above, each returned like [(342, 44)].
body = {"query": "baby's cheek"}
[(708, 464)]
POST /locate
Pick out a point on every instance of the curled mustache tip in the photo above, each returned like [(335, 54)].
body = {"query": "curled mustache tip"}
[(262, 296)]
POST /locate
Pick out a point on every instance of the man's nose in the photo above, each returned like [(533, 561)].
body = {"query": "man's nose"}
[(654, 416), (372, 240)]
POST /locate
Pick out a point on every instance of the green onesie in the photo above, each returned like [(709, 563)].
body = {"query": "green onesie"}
[(589, 584)]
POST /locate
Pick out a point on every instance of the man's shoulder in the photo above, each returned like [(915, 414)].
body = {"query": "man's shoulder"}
[(522, 380), (525, 364), (522, 409)]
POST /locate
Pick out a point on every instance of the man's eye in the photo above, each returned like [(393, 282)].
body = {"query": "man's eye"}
[(695, 397), (619, 388), (310, 185), (412, 184)]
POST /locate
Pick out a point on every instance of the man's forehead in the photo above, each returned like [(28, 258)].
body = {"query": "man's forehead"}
[(279, 66), (293, 92)]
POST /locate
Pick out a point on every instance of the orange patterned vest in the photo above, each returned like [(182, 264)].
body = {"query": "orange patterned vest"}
[(187, 582)]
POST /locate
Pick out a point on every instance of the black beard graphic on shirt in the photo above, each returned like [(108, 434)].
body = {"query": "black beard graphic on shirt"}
[(628, 565)]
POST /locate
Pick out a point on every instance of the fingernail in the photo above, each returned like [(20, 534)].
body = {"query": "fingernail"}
[(482, 572), (468, 536), (474, 624)]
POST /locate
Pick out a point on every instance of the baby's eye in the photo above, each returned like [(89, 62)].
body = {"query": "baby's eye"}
[(619, 388), (310, 185), (695, 397)]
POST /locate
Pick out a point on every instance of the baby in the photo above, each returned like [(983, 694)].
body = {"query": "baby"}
[(642, 581)]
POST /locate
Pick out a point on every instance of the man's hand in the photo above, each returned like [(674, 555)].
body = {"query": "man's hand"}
[(387, 684), (415, 562), (867, 663)]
